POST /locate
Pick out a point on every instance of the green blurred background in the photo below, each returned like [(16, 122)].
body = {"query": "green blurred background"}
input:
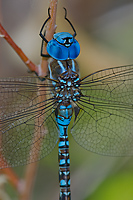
[(105, 33)]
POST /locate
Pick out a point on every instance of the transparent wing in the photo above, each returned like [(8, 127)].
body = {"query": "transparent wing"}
[(28, 131), (104, 123)]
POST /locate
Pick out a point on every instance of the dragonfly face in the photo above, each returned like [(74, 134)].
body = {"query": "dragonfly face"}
[(64, 38)]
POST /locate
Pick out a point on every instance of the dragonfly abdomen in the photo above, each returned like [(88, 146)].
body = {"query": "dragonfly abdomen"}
[(63, 118), (64, 167)]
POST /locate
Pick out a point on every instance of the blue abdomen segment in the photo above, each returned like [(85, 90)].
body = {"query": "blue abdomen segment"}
[(64, 166), (64, 115), (63, 46), (63, 118)]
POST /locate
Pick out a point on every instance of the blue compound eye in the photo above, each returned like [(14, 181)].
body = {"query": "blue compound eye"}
[(63, 46)]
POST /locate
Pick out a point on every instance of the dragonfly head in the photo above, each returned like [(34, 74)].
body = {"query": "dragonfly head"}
[(63, 46)]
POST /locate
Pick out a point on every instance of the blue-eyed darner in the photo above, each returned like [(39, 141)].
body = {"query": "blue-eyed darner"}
[(35, 114)]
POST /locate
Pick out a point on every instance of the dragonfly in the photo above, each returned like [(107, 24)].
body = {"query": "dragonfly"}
[(35, 113)]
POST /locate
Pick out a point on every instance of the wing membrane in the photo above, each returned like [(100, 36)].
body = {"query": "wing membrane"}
[(28, 131), (105, 121)]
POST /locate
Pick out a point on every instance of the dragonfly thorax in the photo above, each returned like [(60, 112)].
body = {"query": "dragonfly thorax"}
[(67, 90), (66, 73)]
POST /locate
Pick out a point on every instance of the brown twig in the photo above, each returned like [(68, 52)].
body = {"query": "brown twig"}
[(21, 54), (12, 177), (32, 168)]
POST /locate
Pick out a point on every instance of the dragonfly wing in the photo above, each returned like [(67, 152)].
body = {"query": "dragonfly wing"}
[(104, 124), (28, 131)]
